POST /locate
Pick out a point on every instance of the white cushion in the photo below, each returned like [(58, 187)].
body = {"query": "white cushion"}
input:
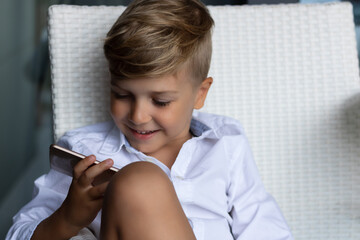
[(289, 73)]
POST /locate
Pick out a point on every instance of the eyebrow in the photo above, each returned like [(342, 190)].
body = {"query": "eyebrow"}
[(164, 92), (115, 87)]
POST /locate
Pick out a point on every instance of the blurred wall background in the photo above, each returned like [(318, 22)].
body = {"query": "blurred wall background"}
[(21, 104), (25, 96)]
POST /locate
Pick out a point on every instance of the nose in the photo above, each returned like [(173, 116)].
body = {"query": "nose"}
[(139, 113)]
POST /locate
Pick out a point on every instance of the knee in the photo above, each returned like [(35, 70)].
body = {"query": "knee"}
[(138, 181)]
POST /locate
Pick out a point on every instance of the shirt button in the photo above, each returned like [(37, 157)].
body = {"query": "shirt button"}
[(179, 177)]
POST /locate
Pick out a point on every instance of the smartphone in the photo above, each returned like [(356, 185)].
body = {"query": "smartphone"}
[(63, 160)]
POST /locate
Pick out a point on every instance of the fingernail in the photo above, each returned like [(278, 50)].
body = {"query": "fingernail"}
[(109, 162)]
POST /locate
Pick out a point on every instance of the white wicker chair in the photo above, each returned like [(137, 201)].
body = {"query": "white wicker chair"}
[(289, 73)]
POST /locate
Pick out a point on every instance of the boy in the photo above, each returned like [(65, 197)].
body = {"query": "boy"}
[(183, 175)]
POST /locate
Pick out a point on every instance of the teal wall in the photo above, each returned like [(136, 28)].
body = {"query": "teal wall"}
[(19, 122)]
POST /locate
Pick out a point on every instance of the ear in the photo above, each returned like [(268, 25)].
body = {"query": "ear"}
[(202, 92)]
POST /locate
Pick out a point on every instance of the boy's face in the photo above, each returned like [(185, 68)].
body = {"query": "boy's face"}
[(155, 113)]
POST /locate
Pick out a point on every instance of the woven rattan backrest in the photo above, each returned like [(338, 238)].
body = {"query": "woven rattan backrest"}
[(289, 73)]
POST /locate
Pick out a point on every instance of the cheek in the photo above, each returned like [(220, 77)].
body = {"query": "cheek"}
[(118, 109), (175, 117)]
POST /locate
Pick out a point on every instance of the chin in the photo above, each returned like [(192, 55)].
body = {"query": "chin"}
[(144, 148)]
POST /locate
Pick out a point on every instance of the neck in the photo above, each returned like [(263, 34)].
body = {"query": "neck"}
[(168, 154)]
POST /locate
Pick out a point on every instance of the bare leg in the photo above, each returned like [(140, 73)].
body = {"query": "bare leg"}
[(141, 203)]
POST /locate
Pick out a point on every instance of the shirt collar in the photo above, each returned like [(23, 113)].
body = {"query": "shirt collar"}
[(197, 128), (115, 140)]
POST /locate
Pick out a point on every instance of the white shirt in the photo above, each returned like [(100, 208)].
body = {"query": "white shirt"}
[(214, 176)]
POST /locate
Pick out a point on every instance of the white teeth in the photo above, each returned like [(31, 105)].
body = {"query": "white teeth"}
[(144, 132)]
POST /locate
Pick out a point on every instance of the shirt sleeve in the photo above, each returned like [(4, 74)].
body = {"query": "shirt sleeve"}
[(51, 189), (254, 212), (49, 192)]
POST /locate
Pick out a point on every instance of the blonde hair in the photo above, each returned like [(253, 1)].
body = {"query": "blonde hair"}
[(152, 38)]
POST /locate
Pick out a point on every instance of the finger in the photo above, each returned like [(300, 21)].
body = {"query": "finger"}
[(82, 165), (98, 204), (89, 175), (98, 191)]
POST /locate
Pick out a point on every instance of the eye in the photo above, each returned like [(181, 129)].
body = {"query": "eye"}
[(120, 96), (161, 103)]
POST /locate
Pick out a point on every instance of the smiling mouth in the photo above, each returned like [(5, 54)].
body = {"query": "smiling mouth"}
[(144, 132)]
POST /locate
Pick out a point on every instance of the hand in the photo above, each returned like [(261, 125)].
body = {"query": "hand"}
[(80, 207), (84, 200)]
